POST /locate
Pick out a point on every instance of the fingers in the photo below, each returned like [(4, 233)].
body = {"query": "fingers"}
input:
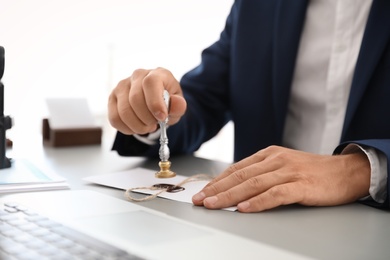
[(136, 104), (120, 114), (177, 108), (265, 175), (260, 184), (278, 176), (276, 196), (238, 166), (153, 86), (237, 173)]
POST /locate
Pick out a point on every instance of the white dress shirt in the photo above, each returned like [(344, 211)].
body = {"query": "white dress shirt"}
[(325, 65)]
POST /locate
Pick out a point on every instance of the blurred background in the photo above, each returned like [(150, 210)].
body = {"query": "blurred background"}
[(82, 48)]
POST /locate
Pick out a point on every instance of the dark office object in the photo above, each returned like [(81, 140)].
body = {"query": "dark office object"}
[(70, 136), (5, 121)]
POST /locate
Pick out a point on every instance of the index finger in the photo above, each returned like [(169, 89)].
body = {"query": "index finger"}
[(154, 84), (236, 174)]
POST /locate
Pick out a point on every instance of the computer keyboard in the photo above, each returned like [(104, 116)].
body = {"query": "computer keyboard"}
[(25, 234)]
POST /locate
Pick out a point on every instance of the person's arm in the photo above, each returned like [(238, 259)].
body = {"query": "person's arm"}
[(205, 91), (378, 151)]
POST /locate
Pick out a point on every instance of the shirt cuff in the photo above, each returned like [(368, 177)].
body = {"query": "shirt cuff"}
[(150, 139), (378, 164)]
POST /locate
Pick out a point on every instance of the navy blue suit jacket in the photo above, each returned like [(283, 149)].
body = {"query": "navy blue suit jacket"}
[(246, 77)]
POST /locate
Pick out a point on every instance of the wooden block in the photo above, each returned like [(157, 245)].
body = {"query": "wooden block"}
[(71, 136)]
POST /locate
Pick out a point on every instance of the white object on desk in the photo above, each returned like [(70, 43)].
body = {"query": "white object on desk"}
[(23, 176), (141, 177), (65, 113), (142, 231)]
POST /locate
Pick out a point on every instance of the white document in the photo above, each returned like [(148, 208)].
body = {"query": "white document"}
[(65, 113), (141, 177), (23, 176)]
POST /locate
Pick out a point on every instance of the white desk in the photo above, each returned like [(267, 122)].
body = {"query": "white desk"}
[(352, 231)]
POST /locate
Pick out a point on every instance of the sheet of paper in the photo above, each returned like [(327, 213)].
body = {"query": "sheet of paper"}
[(141, 177), (65, 113), (24, 175)]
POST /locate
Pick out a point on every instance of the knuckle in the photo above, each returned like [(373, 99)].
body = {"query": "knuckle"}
[(259, 156), (153, 76), (271, 148), (277, 192), (229, 196), (121, 83), (240, 176), (149, 80), (275, 150), (162, 73), (232, 168), (138, 72), (123, 110), (281, 155), (254, 182), (135, 97), (162, 70), (212, 189), (120, 88)]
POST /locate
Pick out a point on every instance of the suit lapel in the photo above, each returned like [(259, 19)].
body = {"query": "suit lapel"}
[(288, 27), (375, 40)]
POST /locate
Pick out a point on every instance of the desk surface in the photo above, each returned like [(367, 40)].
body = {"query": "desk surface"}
[(352, 231)]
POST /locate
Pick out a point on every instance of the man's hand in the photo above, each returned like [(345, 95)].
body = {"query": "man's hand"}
[(279, 176), (136, 103)]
